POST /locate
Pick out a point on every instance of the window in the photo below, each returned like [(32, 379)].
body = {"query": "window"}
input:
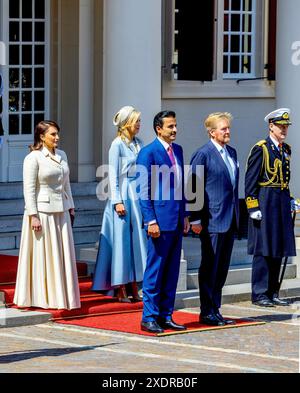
[(240, 28), (220, 40), (26, 69)]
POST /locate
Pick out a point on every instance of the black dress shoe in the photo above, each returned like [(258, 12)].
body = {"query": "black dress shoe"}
[(211, 320), (264, 303), (280, 302), (170, 324), (227, 321), (151, 327)]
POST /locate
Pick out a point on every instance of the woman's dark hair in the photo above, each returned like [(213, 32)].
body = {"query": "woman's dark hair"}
[(41, 128), (159, 118)]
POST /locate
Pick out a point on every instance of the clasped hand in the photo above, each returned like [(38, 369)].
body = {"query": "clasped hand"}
[(36, 224), (196, 228), (154, 231), (120, 209)]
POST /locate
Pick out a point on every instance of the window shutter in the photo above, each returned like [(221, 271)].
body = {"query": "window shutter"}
[(271, 66), (195, 41)]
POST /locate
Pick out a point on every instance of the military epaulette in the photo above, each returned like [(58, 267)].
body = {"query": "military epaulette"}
[(261, 143)]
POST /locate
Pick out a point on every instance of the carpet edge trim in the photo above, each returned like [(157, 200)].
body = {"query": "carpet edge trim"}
[(94, 315), (209, 328)]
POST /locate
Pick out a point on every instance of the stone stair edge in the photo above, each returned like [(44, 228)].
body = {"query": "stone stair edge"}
[(75, 197), (11, 317), (17, 216), (78, 189), (235, 293)]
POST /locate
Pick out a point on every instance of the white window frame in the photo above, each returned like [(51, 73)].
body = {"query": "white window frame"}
[(220, 87), (5, 70), (255, 26)]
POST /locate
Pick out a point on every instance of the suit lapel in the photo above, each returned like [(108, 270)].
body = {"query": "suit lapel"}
[(56, 158), (178, 155)]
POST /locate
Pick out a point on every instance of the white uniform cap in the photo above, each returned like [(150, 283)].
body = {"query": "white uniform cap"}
[(279, 116)]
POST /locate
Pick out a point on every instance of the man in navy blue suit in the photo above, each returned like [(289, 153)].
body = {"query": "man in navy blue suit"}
[(165, 219), (217, 220)]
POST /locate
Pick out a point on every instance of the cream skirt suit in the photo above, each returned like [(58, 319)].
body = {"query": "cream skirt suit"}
[(47, 274)]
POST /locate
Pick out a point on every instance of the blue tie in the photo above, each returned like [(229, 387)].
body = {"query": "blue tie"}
[(229, 167)]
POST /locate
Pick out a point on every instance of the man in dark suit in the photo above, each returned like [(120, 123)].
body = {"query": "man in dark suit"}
[(165, 219), (271, 231), (217, 220)]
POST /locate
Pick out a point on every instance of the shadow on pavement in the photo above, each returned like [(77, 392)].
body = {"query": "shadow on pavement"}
[(27, 355)]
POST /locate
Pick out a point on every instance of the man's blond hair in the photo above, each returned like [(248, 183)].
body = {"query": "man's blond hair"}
[(210, 122)]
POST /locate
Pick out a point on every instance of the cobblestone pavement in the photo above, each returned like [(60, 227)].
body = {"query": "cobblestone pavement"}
[(55, 348)]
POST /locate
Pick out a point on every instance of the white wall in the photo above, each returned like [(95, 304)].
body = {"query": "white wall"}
[(132, 63), (288, 77)]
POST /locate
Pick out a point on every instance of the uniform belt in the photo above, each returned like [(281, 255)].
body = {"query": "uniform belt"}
[(283, 187)]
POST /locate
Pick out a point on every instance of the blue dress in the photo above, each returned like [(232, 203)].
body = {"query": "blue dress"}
[(122, 250)]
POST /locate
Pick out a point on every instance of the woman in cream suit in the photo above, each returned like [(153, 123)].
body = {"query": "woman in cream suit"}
[(47, 274), (122, 247)]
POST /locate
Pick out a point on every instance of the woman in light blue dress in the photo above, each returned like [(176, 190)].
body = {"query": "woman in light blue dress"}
[(122, 250)]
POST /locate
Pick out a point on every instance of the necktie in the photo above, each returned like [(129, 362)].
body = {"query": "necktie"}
[(229, 167), (172, 158), (280, 148)]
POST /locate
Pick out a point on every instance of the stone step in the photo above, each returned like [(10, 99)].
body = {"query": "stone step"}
[(15, 207), (2, 300), (237, 275), (11, 317), (234, 294), (86, 236), (83, 218), (15, 190), (78, 248), (83, 235), (192, 252)]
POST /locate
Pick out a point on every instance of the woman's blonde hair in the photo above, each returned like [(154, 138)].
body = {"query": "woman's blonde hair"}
[(125, 127), (212, 119)]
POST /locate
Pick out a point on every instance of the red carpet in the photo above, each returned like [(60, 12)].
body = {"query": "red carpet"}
[(9, 266), (129, 322), (99, 311), (92, 303)]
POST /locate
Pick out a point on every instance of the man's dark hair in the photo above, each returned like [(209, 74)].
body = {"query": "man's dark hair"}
[(159, 118)]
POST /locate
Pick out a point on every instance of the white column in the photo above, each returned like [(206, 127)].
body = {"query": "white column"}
[(86, 168), (132, 63), (288, 76)]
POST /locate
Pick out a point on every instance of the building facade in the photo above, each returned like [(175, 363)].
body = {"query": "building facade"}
[(79, 61)]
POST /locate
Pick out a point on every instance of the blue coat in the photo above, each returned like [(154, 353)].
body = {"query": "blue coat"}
[(220, 197), (123, 245), (164, 204)]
